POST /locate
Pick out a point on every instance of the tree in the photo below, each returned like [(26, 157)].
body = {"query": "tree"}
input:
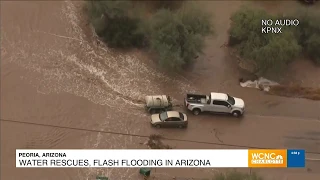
[(114, 22), (245, 24), (167, 4), (277, 53), (308, 33), (267, 52), (195, 20), (178, 37), (312, 48), (164, 36)]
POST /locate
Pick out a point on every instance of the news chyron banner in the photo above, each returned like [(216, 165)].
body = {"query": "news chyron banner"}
[(253, 158)]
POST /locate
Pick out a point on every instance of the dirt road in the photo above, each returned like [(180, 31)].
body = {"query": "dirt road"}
[(53, 73)]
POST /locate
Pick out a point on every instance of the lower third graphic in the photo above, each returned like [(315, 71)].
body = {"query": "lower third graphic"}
[(267, 158)]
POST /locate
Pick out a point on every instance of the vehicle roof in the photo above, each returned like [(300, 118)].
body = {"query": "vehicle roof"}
[(219, 96), (173, 114)]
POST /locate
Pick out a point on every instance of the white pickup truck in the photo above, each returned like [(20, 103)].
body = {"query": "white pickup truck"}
[(215, 102)]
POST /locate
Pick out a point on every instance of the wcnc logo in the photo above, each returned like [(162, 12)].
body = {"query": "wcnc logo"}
[(267, 158)]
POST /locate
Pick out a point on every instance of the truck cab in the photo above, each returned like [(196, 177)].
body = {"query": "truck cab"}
[(215, 102)]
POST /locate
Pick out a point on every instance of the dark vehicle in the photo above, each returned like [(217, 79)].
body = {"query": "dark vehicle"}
[(169, 119)]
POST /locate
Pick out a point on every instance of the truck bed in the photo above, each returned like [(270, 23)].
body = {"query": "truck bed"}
[(196, 98)]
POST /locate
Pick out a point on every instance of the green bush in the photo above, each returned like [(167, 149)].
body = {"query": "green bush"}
[(312, 48), (268, 52), (195, 20), (245, 24), (308, 33), (178, 37), (122, 32), (114, 23), (167, 4)]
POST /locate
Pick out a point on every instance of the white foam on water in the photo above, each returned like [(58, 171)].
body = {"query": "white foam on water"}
[(121, 75), (72, 64), (107, 141)]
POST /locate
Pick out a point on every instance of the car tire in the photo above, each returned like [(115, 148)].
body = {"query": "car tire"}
[(236, 114), (196, 112), (158, 126)]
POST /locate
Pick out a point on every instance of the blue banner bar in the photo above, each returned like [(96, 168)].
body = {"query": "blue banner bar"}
[(296, 158)]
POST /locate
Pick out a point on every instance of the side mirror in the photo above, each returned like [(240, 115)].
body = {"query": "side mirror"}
[(229, 106)]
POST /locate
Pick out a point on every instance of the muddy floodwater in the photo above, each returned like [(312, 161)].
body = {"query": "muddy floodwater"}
[(54, 74)]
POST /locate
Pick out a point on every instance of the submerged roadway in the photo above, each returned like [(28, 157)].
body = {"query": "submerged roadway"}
[(60, 90)]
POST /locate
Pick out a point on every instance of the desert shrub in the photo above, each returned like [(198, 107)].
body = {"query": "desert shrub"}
[(276, 54), (312, 48), (268, 52), (245, 24), (195, 20), (308, 33), (155, 142), (178, 37), (122, 32), (115, 23), (167, 4)]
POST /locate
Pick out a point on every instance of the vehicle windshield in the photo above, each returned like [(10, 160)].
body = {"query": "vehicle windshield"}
[(181, 116), (231, 100), (163, 116)]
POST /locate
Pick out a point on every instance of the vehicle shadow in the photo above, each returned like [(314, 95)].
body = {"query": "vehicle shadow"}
[(215, 117)]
